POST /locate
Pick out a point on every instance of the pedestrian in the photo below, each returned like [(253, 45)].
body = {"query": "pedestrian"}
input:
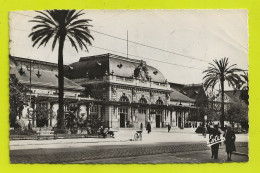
[(169, 127), (148, 127), (141, 126), (230, 138), (214, 137), (204, 131), (102, 131)]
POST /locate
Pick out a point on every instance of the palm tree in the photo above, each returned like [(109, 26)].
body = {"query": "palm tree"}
[(59, 25), (219, 72)]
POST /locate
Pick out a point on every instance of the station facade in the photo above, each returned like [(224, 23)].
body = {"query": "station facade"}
[(120, 91), (130, 92)]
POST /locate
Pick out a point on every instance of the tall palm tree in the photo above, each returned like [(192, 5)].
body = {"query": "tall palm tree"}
[(219, 72), (59, 25)]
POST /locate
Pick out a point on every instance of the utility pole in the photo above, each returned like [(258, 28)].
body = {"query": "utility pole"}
[(127, 44), (30, 69)]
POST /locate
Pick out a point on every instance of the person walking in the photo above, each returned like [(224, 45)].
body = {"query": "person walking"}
[(169, 127), (148, 127), (230, 139), (204, 133), (214, 138), (141, 126)]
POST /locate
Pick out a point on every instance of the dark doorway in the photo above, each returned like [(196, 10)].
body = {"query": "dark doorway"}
[(179, 122), (122, 120), (158, 118)]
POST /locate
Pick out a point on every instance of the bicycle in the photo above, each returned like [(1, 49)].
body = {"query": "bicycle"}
[(138, 135)]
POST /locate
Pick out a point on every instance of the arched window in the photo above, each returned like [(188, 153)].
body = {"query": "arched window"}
[(159, 102), (124, 98), (142, 100)]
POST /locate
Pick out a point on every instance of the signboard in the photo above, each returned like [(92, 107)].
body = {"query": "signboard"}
[(214, 140)]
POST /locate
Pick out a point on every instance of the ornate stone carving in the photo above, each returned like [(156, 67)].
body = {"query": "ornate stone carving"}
[(151, 93), (167, 96), (134, 92), (113, 89), (141, 72)]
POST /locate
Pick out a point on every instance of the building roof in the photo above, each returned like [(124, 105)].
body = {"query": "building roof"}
[(97, 66), (18, 61), (194, 91), (234, 95), (176, 86), (47, 78), (177, 96)]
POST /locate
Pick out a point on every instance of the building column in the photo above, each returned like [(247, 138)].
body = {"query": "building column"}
[(34, 117), (49, 114)]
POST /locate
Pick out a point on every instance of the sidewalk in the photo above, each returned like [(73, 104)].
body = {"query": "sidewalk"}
[(122, 137)]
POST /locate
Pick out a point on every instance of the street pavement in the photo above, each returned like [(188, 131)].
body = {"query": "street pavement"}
[(156, 147), (180, 157)]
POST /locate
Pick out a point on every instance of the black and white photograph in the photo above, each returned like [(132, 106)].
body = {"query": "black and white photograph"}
[(128, 86)]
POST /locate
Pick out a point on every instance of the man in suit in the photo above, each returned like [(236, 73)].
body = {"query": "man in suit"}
[(214, 137)]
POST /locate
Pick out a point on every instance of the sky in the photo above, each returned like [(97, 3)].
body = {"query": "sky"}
[(192, 39)]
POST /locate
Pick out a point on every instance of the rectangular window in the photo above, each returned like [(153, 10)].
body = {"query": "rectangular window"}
[(123, 110), (94, 109), (142, 111), (159, 112), (43, 105)]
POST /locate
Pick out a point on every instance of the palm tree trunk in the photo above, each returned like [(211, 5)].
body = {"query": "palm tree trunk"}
[(222, 118), (61, 83)]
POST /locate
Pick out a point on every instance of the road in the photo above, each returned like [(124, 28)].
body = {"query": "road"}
[(152, 153), (182, 157)]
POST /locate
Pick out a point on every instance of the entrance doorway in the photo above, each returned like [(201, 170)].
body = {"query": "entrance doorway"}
[(122, 120), (179, 122), (158, 121)]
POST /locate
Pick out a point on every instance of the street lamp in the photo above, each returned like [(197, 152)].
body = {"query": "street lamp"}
[(38, 74), (205, 119)]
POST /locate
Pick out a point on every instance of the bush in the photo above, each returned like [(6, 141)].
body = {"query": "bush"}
[(60, 131), (20, 124), (22, 132)]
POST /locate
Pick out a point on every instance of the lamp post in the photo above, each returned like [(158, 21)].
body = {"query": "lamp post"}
[(38, 74), (205, 119)]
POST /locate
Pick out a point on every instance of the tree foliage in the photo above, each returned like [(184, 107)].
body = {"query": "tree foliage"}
[(17, 99), (237, 113), (42, 115), (245, 88)]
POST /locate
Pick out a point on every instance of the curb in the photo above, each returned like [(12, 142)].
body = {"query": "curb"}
[(72, 142), (240, 154)]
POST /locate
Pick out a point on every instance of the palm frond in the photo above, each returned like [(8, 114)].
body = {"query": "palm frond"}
[(73, 43), (219, 70), (53, 23)]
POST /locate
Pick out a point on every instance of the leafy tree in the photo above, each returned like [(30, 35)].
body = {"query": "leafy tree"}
[(17, 99), (219, 72), (71, 121), (59, 25), (237, 113), (94, 123), (42, 116), (245, 88)]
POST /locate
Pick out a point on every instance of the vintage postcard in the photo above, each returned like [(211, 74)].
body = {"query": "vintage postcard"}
[(128, 86)]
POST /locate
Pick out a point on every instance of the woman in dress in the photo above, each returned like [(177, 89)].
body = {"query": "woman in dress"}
[(230, 138)]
